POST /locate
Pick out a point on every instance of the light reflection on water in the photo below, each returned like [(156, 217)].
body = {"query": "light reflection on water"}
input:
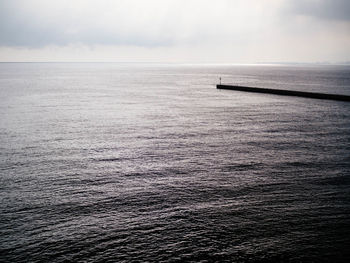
[(152, 163)]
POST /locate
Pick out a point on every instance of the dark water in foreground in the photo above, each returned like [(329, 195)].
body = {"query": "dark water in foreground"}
[(130, 162)]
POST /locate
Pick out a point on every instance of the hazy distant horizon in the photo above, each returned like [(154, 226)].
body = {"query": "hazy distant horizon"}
[(198, 63)]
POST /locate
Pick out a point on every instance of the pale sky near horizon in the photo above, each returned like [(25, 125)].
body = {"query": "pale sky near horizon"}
[(185, 31)]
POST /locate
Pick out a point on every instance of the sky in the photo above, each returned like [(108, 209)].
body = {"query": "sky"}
[(180, 31)]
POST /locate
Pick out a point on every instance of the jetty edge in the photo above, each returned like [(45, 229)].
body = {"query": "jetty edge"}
[(314, 95)]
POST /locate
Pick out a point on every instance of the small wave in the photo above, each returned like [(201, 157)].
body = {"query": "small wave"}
[(114, 159)]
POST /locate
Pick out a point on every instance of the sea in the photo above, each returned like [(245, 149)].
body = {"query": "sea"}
[(132, 162)]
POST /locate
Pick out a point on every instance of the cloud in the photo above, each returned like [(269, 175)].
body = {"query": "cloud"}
[(151, 23), (338, 10), (174, 30), (36, 23)]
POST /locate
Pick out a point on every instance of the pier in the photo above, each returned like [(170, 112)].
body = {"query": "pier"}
[(312, 95)]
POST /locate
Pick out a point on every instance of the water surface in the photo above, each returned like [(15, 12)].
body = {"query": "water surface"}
[(147, 162)]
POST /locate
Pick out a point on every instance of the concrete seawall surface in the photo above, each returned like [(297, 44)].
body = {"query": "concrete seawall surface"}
[(313, 95)]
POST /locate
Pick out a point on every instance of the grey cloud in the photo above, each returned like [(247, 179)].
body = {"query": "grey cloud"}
[(322, 9), (19, 28), (164, 23), (151, 23)]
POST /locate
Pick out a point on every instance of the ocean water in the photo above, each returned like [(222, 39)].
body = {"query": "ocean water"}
[(151, 163)]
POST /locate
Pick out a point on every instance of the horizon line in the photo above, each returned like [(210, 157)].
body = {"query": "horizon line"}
[(190, 63)]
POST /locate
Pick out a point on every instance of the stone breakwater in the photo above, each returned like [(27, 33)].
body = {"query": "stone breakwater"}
[(313, 95)]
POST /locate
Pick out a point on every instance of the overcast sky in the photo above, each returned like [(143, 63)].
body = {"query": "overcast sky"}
[(209, 31)]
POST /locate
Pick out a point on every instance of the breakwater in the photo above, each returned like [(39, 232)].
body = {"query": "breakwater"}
[(313, 95)]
